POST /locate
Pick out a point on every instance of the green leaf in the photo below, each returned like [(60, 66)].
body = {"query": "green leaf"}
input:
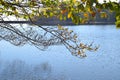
[(61, 17), (118, 24)]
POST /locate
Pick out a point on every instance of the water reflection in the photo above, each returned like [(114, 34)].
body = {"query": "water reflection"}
[(19, 70), (101, 65)]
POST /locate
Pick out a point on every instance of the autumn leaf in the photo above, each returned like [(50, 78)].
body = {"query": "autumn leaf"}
[(118, 24), (86, 15), (63, 11), (74, 1), (93, 14), (83, 21), (82, 46), (103, 15), (16, 1), (83, 50), (89, 9), (51, 14), (83, 0), (60, 27), (74, 36), (71, 31), (69, 15), (99, 10), (79, 53)]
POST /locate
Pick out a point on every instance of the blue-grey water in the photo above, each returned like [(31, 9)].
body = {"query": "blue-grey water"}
[(103, 64)]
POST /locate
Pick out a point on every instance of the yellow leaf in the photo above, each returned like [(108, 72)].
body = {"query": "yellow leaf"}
[(79, 52), (74, 1), (51, 14), (82, 21), (71, 31), (103, 15), (86, 15), (118, 24), (16, 0), (1, 10), (75, 36), (66, 29), (16, 12), (60, 27), (88, 10), (83, 0), (69, 14), (82, 46), (83, 50)]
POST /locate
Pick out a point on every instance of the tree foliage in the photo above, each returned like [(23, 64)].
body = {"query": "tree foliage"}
[(79, 11)]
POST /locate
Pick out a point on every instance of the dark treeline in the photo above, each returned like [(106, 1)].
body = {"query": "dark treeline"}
[(98, 19)]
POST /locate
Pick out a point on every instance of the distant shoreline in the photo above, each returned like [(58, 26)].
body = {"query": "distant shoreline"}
[(52, 23), (98, 23)]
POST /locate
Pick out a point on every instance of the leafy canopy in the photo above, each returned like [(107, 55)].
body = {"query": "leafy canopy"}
[(80, 11)]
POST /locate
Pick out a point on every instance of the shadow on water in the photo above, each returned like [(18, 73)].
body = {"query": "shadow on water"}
[(19, 70)]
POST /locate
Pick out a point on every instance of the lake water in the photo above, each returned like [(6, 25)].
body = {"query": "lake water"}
[(103, 64)]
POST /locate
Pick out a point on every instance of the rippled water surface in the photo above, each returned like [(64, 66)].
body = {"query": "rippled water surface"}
[(101, 65)]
